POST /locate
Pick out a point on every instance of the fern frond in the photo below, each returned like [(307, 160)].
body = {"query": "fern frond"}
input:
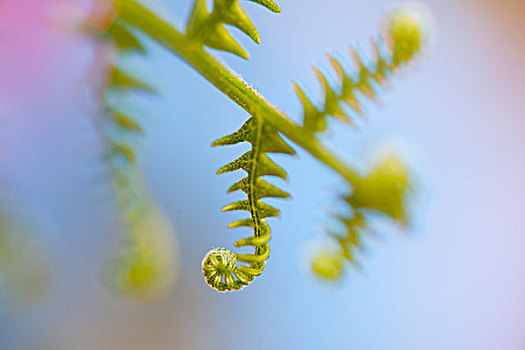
[(144, 262), (386, 190), (209, 28), (220, 267), (397, 48), (402, 42)]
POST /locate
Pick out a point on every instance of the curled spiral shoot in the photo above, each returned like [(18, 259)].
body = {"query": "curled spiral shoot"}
[(219, 266)]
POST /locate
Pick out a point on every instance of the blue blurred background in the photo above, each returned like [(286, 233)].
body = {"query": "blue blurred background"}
[(456, 281)]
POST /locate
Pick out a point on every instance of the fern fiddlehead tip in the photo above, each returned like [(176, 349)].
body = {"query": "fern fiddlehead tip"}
[(218, 266)]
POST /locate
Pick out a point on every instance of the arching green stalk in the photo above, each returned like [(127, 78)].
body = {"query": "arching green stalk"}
[(227, 81)]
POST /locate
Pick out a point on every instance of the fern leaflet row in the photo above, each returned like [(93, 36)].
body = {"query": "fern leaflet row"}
[(400, 46), (209, 28)]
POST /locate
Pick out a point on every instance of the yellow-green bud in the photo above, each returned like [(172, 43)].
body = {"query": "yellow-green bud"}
[(386, 188), (405, 33), (328, 265)]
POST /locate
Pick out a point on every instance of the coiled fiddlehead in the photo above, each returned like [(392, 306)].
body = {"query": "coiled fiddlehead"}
[(397, 47), (209, 29), (220, 267)]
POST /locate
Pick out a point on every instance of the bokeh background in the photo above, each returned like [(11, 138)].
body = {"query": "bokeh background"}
[(456, 281)]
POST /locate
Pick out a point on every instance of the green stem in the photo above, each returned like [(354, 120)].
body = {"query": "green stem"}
[(228, 82)]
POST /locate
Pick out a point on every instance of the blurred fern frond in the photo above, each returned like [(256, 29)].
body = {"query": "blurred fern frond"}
[(386, 190), (25, 266), (220, 266), (144, 263), (395, 49)]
